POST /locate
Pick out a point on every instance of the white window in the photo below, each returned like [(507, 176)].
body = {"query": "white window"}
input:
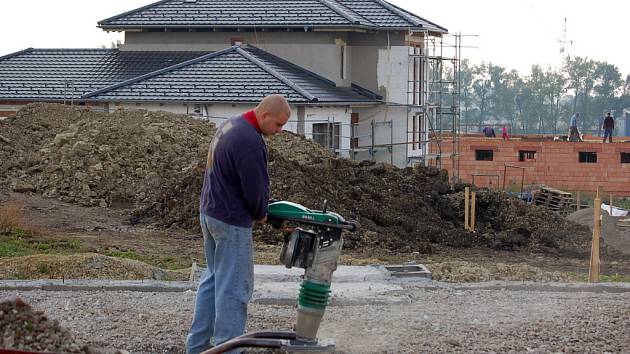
[(343, 62), (327, 134), (417, 131)]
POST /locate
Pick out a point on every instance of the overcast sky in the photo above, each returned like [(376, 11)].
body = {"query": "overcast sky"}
[(514, 34)]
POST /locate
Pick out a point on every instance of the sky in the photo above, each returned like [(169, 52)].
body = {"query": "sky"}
[(515, 34)]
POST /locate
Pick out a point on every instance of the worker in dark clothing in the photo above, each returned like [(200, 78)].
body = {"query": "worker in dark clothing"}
[(574, 133), (489, 132), (609, 126), (235, 194)]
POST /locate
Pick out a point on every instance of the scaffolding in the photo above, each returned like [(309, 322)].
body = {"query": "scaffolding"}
[(432, 105), (433, 94)]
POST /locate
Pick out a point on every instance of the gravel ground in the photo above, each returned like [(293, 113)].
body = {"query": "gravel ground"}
[(442, 320)]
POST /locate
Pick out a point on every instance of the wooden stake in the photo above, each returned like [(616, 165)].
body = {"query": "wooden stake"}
[(473, 211), (466, 208), (611, 204), (593, 273), (597, 196), (579, 205)]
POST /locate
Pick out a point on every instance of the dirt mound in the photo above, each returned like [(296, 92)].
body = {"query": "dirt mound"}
[(78, 266), (79, 156), (154, 161), (458, 272), (23, 328), (506, 223)]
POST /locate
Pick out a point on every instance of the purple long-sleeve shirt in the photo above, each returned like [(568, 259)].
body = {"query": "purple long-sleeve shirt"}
[(236, 182)]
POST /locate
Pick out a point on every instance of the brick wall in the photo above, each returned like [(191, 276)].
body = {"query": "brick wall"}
[(555, 164), (4, 114)]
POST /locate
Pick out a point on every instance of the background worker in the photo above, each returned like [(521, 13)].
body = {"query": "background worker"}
[(504, 132), (574, 133), (609, 126), (489, 132), (235, 193)]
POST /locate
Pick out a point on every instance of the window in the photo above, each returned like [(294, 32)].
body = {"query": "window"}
[(416, 73), (526, 155), (625, 157), (417, 132), (484, 155), (198, 110), (343, 62), (327, 134), (588, 157), (354, 120)]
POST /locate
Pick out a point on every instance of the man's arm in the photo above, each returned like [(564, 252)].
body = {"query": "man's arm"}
[(251, 167)]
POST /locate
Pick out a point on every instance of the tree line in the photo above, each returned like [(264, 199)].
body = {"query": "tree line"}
[(543, 100)]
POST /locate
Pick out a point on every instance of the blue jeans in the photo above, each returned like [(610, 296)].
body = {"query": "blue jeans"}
[(225, 288)]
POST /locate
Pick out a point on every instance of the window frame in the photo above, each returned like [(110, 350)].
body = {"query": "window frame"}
[(587, 156), (480, 153)]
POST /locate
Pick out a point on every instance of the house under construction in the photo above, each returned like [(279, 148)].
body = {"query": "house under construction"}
[(365, 78)]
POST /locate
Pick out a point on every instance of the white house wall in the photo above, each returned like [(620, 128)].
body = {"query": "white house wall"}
[(390, 129), (392, 73), (319, 52), (218, 113)]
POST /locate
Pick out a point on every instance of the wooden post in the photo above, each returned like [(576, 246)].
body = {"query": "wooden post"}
[(611, 204), (473, 211), (466, 208), (593, 273), (579, 201)]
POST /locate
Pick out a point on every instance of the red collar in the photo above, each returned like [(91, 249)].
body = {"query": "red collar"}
[(250, 117)]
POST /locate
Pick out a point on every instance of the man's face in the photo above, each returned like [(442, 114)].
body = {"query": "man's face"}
[(271, 124)]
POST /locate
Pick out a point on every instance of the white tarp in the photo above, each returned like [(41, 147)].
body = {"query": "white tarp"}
[(615, 211)]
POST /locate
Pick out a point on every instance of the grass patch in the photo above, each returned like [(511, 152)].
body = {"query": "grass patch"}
[(10, 217), (43, 268), (615, 278), (164, 262), (17, 245)]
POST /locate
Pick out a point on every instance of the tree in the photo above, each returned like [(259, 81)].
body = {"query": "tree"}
[(481, 89)]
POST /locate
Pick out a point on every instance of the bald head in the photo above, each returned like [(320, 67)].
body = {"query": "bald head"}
[(272, 114)]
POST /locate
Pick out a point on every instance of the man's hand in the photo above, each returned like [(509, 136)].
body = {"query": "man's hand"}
[(261, 221)]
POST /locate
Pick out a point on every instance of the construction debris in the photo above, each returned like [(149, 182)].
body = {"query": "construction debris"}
[(554, 199), (23, 328), (153, 162)]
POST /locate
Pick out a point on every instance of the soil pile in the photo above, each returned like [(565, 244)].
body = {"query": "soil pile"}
[(89, 158), (154, 162), (23, 328)]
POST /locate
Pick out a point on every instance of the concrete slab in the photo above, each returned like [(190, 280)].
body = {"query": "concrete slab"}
[(285, 293), (275, 273)]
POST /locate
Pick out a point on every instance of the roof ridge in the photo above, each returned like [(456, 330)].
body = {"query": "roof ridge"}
[(293, 65), (159, 72), (397, 11), (276, 74), (19, 52), (341, 11), (131, 11), (408, 13)]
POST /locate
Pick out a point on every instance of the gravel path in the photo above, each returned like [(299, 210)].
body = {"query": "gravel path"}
[(442, 320)]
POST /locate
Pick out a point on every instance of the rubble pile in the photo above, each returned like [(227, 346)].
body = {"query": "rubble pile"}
[(154, 162), (23, 328), (98, 159)]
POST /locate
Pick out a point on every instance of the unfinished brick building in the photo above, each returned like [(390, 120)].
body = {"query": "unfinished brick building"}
[(571, 166)]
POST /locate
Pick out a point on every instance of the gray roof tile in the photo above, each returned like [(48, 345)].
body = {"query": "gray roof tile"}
[(58, 74), (236, 74), (367, 14)]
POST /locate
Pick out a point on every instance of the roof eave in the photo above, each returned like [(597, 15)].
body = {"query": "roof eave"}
[(252, 100), (357, 28), (210, 27)]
